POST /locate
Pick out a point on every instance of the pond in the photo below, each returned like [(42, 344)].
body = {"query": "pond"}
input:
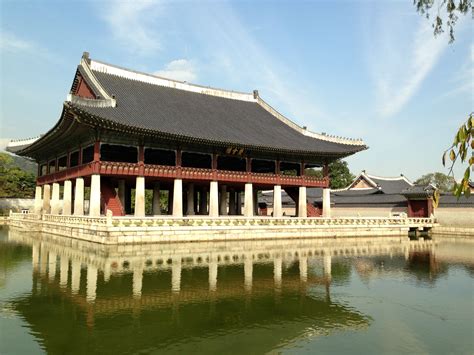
[(351, 295)]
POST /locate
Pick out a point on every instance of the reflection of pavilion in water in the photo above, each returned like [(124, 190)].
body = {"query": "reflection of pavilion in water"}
[(182, 290)]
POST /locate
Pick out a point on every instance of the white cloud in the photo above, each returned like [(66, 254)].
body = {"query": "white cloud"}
[(401, 69), (132, 23), (11, 43), (179, 69)]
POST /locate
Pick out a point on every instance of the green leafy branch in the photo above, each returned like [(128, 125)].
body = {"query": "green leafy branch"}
[(462, 149)]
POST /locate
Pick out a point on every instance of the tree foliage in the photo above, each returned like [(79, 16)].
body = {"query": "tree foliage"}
[(339, 174), (443, 182), (462, 149), (450, 9), (15, 182)]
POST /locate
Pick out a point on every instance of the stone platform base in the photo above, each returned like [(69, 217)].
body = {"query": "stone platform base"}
[(132, 231), (457, 231)]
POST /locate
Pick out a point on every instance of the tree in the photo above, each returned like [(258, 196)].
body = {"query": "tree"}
[(15, 182), (339, 174), (463, 149), (454, 9), (443, 182)]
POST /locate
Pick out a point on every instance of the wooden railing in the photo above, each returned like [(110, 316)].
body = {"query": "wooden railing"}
[(176, 172)]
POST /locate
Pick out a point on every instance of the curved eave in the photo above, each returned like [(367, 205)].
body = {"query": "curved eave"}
[(95, 120)]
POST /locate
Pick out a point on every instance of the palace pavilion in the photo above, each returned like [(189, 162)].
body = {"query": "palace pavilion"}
[(122, 132)]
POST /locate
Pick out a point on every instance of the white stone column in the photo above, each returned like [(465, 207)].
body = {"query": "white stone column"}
[(67, 197), (47, 198), (35, 256), (327, 203), (213, 273), (94, 203), (238, 205), (232, 203), (327, 261), (137, 281), (91, 287), (176, 275), (79, 197), (55, 204), (190, 199), (223, 201), (140, 197), (52, 265), (302, 202), (214, 200), (303, 261), (121, 193), (107, 271), (63, 271), (277, 267), (277, 207), (38, 200), (43, 268), (248, 272), (248, 200), (178, 198), (75, 276)]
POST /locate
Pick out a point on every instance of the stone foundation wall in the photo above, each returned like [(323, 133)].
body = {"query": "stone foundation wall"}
[(460, 217)]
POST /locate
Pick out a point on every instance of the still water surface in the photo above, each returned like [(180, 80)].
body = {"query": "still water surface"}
[(374, 296)]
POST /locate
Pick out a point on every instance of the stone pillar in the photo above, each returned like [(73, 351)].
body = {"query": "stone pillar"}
[(43, 260), (214, 200), (248, 200), (190, 199), (238, 204), (303, 268), (277, 267), (63, 271), (212, 273), (94, 203), (79, 197), (137, 281), (107, 272), (277, 207), (327, 203), (232, 203), (140, 197), (52, 258), (248, 272), (38, 200), (223, 201), (176, 275), (75, 276), (302, 202), (178, 198), (67, 197), (121, 193), (156, 199), (55, 207), (46, 198), (91, 286), (203, 201)]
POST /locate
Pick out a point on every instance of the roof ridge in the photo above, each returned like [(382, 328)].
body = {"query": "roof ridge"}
[(153, 79), (396, 178)]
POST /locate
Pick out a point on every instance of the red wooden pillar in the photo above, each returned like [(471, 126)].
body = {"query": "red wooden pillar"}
[(302, 165), (79, 158), (326, 173), (141, 160), (96, 160), (277, 167)]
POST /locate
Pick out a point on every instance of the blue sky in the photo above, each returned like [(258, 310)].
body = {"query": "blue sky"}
[(360, 69)]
